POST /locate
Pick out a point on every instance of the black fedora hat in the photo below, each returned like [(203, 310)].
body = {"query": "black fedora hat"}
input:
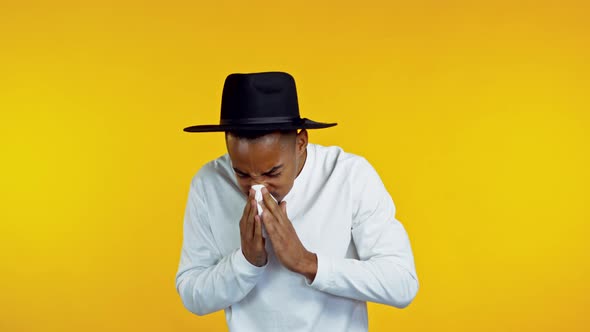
[(259, 101)]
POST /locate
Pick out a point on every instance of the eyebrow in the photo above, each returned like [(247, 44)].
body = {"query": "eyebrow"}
[(272, 170)]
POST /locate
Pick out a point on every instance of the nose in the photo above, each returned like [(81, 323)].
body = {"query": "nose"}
[(254, 182)]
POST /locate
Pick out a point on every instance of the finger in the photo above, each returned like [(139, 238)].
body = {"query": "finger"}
[(246, 206), (284, 207), (268, 217), (269, 223), (275, 229), (257, 228), (245, 214), (270, 203), (253, 205), (253, 208), (250, 219)]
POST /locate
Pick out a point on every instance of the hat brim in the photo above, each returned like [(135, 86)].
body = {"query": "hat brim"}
[(302, 124)]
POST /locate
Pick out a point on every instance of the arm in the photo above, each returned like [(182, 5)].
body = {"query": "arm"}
[(206, 280), (385, 272)]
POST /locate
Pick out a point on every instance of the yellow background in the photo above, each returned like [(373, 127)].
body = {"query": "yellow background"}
[(475, 114)]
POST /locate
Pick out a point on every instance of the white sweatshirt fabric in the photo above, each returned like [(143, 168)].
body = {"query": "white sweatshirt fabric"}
[(341, 211)]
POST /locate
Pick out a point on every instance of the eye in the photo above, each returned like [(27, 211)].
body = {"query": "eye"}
[(240, 175), (274, 175)]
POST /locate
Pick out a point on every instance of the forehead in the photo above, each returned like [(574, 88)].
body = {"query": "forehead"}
[(259, 155)]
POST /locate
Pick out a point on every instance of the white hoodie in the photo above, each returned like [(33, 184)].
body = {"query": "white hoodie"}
[(340, 210)]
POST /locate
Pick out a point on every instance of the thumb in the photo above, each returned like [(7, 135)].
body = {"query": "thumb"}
[(284, 207)]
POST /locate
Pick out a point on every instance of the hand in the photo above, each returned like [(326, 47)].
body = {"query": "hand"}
[(251, 233), (283, 237)]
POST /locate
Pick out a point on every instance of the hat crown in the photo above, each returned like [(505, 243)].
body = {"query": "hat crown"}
[(259, 98), (263, 101)]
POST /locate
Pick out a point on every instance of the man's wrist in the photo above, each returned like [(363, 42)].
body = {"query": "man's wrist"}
[(258, 261), (309, 266)]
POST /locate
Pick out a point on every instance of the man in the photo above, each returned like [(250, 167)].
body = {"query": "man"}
[(326, 241)]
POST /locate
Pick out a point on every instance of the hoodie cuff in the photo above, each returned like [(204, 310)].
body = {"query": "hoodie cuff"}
[(243, 266), (323, 277)]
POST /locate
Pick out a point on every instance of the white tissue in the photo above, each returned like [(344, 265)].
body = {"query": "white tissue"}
[(258, 196)]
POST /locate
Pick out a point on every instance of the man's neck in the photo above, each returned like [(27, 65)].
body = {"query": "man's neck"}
[(303, 163)]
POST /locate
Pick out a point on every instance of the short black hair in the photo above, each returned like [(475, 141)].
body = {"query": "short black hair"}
[(254, 134)]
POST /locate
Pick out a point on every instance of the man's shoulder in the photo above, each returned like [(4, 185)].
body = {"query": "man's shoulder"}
[(352, 167), (337, 156), (214, 172)]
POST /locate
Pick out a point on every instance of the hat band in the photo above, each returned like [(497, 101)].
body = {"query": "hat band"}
[(247, 121)]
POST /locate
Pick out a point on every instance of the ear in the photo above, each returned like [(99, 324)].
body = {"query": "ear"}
[(301, 141)]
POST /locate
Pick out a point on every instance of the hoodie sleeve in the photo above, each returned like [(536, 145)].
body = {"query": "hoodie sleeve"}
[(206, 280), (385, 271)]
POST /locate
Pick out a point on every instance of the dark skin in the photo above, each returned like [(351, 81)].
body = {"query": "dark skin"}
[(274, 160)]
